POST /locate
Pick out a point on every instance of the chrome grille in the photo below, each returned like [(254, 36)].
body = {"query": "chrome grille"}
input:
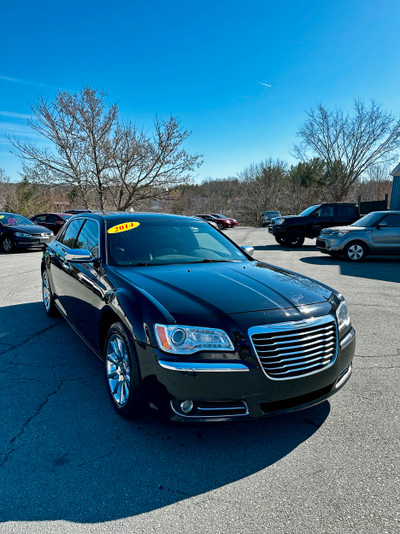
[(295, 349)]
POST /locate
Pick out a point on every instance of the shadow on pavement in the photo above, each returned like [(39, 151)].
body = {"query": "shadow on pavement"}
[(386, 268), (285, 249), (66, 455)]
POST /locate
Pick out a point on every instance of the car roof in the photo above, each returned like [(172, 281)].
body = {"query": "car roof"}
[(138, 216), (384, 212)]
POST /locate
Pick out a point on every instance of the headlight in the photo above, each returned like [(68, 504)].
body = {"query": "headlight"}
[(45, 234), (342, 315), (22, 234), (189, 339), (280, 220), (339, 233)]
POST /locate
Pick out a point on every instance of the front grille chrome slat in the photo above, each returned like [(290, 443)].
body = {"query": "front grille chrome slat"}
[(303, 348), (305, 340), (279, 334), (295, 349), (275, 361)]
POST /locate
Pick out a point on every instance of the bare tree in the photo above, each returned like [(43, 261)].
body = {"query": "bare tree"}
[(107, 164), (264, 185), (4, 189), (349, 145), (145, 167)]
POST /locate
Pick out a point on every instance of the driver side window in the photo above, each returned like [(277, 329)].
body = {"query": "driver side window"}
[(71, 233)]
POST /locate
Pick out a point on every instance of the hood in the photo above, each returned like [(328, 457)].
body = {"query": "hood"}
[(345, 229), (224, 288), (29, 229)]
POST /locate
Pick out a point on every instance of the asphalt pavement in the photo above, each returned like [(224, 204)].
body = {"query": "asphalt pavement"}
[(69, 463)]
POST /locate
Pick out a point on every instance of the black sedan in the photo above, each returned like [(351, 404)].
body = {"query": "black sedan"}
[(191, 327), (17, 231)]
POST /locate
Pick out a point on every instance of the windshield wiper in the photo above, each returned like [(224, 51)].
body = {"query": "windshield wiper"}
[(209, 260)]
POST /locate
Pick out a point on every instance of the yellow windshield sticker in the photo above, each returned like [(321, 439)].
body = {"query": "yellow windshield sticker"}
[(1, 216), (122, 227)]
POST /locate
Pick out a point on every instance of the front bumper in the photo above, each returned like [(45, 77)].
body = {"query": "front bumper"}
[(330, 244), (276, 230), (236, 389), (23, 242)]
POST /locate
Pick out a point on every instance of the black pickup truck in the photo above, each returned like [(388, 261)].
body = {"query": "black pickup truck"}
[(291, 230)]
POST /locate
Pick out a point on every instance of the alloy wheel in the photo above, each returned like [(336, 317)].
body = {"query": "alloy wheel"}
[(118, 369), (7, 244), (355, 252), (46, 292)]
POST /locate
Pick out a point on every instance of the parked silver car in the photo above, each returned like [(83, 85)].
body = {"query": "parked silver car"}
[(267, 217), (377, 232)]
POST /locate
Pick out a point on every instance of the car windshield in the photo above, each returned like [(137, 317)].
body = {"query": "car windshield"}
[(271, 213), (12, 219), (309, 210), (163, 242), (368, 220)]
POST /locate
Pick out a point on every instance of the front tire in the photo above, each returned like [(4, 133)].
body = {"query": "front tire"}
[(279, 240), (7, 245), (122, 372), (355, 251), (47, 297), (294, 238)]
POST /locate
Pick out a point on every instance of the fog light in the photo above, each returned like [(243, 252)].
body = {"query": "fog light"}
[(187, 406)]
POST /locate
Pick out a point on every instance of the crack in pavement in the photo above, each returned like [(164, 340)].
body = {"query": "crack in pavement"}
[(33, 336), (25, 425), (38, 411)]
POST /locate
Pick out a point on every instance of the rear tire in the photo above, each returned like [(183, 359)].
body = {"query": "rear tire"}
[(355, 251), (220, 226), (294, 238), (122, 372)]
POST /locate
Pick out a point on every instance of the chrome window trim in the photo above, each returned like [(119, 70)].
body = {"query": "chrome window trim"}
[(276, 328), (200, 367)]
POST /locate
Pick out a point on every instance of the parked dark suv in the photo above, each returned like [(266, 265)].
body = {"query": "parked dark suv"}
[(292, 229)]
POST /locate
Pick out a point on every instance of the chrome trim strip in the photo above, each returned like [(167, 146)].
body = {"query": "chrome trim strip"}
[(291, 325), (347, 339), (215, 417), (199, 367), (219, 409), (345, 377)]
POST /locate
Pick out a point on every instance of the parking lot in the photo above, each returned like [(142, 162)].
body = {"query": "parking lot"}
[(70, 464)]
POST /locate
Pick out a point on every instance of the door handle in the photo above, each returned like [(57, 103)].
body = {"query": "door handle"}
[(66, 265)]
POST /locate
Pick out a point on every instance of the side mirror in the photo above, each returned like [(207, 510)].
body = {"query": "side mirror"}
[(248, 250), (78, 255)]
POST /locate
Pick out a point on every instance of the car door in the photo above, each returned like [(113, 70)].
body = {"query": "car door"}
[(60, 269), (322, 217), (345, 215), (386, 236), (87, 285)]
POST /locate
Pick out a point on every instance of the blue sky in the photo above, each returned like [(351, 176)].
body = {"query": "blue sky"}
[(201, 62)]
